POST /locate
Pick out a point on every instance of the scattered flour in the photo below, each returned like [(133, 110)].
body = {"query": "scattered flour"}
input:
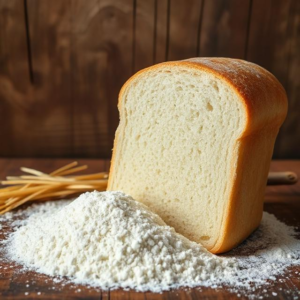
[(109, 240)]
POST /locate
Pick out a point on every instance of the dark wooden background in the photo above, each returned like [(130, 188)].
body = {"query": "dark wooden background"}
[(63, 62)]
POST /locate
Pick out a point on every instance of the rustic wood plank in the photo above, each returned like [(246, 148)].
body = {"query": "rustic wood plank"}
[(38, 286), (46, 115), (269, 44), (153, 296), (119, 294), (144, 34), (14, 75), (105, 295), (161, 32), (52, 118), (206, 293), (63, 103), (6, 273), (183, 29), (14, 285), (183, 294), (136, 295), (224, 28), (101, 63), (288, 145), (89, 64)]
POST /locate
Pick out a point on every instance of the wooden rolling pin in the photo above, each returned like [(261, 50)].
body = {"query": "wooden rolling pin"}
[(282, 178)]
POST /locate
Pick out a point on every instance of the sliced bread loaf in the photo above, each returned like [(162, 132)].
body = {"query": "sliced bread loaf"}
[(195, 142)]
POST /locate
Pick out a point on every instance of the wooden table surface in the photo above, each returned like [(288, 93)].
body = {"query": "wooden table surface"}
[(283, 201)]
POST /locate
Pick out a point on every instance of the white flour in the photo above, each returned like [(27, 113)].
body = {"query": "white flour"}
[(109, 240)]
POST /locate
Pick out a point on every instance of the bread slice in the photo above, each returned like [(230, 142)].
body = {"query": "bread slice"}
[(195, 142)]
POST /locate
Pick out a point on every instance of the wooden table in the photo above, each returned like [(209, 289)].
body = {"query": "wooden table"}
[(283, 201)]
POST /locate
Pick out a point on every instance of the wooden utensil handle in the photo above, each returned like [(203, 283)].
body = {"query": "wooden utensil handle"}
[(278, 178)]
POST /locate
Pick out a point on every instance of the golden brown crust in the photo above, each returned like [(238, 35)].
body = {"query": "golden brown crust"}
[(263, 96), (265, 104)]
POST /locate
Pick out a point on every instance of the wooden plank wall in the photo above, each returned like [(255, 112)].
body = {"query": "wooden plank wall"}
[(63, 62)]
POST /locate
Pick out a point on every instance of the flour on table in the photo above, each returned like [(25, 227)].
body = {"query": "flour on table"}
[(109, 240)]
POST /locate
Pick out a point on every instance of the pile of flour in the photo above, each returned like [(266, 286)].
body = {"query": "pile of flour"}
[(109, 240)]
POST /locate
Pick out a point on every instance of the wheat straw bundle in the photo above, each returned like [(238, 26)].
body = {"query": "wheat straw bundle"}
[(60, 184), (41, 186)]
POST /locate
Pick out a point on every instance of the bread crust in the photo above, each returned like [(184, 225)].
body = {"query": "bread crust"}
[(265, 104)]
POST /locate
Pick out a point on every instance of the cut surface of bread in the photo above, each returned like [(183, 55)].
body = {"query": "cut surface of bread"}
[(194, 143)]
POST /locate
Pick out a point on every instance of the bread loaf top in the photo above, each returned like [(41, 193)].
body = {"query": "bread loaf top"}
[(263, 96), (219, 201)]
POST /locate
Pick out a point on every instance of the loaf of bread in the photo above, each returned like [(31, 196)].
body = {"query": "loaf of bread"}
[(194, 143)]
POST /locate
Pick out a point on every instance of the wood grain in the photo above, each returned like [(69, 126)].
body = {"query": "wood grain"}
[(40, 96), (185, 17), (270, 28), (14, 75), (161, 30), (144, 34), (47, 117), (62, 63), (283, 201), (288, 143), (224, 28), (101, 63)]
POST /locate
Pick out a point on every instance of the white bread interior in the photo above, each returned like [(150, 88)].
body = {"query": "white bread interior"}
[(194, 144)]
